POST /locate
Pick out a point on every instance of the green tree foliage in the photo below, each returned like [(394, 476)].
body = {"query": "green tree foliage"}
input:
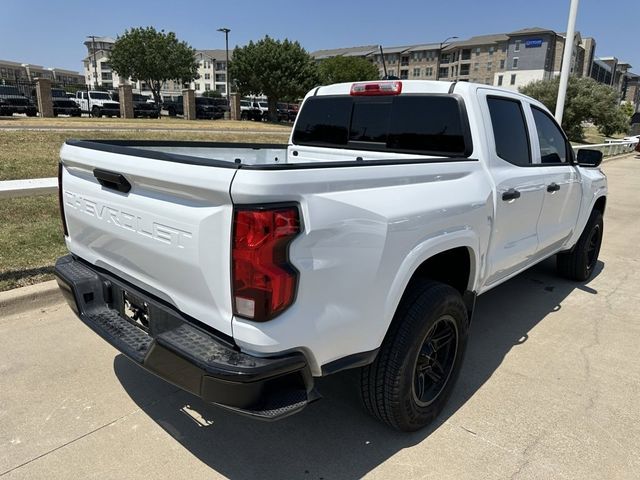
[(587, 100), (153, 57), (347, 69), (281, 70), (212, 94)]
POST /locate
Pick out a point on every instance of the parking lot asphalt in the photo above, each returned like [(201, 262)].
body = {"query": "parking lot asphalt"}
[(550, 388)]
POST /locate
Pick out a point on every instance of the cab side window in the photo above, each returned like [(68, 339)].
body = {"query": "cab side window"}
[(510, 130), (553, 146)]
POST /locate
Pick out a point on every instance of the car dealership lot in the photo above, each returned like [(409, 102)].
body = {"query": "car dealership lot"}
[(549, 389)]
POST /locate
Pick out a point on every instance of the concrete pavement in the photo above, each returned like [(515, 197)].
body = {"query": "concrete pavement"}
[(550, 389)]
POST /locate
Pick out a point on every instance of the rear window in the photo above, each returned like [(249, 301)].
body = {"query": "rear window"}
[(422, 124)]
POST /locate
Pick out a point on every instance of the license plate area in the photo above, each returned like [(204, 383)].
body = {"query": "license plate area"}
[(136, 310)]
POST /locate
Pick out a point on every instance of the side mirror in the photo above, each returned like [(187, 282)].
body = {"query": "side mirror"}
[(589, 158)]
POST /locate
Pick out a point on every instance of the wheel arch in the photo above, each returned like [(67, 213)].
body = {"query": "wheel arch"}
[(453, 261)]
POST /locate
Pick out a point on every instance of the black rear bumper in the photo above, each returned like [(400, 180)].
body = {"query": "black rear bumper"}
[(177, 349)]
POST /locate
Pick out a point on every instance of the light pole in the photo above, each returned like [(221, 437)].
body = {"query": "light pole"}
[(226, 46), (95, 68), (439, 53), (566, 60)]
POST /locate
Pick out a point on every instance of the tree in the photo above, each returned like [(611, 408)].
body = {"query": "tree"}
[(281, 70), (347, 69), (212, 94), (587, 100), (153, 57)]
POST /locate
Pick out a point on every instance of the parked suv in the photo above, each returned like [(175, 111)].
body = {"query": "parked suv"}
[(13, 101), (206, 108), (63, 105), (141, 106), (97, 103)]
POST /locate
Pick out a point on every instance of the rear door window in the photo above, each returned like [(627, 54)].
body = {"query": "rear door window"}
[(510, 130), (553, 146), (420, 124)]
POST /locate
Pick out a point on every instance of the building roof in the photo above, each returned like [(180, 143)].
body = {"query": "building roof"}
[(215, 54), (530, 30), (9, 62), (478, 40), (346, 52), (101, 39), (427, 46)]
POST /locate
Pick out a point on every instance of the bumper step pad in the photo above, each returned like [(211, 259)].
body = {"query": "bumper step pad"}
[(183, 354)]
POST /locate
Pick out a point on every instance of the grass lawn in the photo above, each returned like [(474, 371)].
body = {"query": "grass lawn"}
[(31, 235)]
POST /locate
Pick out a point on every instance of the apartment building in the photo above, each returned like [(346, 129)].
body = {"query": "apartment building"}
[(212, 71), (28, 72), (510, 60)]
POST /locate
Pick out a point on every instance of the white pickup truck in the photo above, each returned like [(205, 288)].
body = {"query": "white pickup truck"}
[(241, 272)]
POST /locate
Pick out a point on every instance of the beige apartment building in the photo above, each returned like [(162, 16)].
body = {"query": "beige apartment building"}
[(212, 70), (510, 60), (28, 72)]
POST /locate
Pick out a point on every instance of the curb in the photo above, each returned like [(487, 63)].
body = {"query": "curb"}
[(22, 299)]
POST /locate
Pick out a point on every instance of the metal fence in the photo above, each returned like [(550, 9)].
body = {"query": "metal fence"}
[(27, 87)]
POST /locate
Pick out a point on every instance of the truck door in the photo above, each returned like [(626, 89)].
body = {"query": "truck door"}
[(563, 191), (519, 188)]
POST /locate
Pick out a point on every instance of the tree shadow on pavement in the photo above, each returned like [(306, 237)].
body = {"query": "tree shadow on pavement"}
[(335, 437)]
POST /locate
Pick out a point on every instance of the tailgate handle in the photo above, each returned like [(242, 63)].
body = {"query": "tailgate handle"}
[(112, 180)]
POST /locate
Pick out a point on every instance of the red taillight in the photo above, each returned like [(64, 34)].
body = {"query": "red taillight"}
[(264, 281), (376, 88), (61, 201)]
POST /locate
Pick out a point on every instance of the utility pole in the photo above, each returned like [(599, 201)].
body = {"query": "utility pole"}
[(442, 43), (95, 67), (226, 46), (566, 60)]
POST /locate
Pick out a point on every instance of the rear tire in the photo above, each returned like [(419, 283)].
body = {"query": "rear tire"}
[(413, 375), (579, 263)]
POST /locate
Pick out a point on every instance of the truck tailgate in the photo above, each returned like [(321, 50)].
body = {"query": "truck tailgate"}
[(169, 234)]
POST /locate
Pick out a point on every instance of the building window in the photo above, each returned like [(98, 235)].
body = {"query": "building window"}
[(404, 61), (221, 77), (404, 74), (207, 86), (443, 72), (516, 48), (464, 69), (513, 79), (416, 72), (502, 64), (478, 51), (490, 50), (429, 72), (221, 66), (221, 88), (466, 54), (515, 62), (196, 86), (500, 80), (207, 76), (391, 73)]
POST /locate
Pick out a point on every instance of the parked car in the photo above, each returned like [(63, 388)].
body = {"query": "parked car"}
[(287, 112), (63, 105), (13, 101), (243, 273), (206, 108), (142, 108), (97, 103)]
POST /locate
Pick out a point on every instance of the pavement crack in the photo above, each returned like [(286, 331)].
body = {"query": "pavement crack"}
[(59, 447)]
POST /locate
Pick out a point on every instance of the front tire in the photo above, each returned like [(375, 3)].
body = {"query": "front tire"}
[(413, 375), (96, 113), (579, 263)]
